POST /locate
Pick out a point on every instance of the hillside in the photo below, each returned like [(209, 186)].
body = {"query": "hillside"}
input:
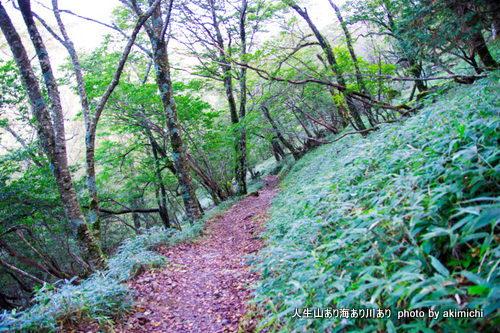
[(152, 204), (405, 218)]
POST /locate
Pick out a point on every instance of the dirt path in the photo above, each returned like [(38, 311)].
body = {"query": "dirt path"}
[(203, 287)]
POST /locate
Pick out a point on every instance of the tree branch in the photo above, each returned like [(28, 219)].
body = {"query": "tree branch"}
[(321, 141), (127, 211)]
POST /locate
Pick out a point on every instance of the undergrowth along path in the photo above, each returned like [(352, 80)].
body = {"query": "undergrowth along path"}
[(204, 286)]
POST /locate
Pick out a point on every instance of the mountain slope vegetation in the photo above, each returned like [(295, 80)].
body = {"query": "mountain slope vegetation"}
[(404, 218), (380, 116)]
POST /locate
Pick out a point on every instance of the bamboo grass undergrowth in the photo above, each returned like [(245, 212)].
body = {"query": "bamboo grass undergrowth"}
[(405, 218)]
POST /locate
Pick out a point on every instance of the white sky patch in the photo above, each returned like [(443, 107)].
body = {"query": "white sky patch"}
[(87, 35)]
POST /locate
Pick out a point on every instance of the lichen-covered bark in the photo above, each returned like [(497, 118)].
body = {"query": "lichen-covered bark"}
[(350, 47), (416, 71), (94, 213), (91, 121), (178, 149), (51, 131), (241, 144), (156, 30), (354, 58)]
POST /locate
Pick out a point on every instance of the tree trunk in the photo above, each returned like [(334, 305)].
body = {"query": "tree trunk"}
[(95, 216), (137, 222), (241, 149), (160, 150), (207, 177), (6, 304), (353, 110), (349, 43), (91, 121), (156, 33), (277, 150), (240, 145), (47, 268), (416, 71), (300, 120), (51, 135), (161, 194), (481, 48), (296, 154), (21, 272)]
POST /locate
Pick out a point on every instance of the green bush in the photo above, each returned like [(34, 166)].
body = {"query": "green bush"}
[(98, 297), (404, 219)]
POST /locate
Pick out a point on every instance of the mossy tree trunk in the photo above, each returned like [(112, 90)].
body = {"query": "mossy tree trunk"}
[(156, 30), (91, 121), (296, 154), (50, 128)]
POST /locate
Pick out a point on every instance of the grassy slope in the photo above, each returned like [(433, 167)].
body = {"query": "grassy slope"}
[(405, 218)]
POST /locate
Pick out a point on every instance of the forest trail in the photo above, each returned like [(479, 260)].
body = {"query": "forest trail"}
[(203, 287)]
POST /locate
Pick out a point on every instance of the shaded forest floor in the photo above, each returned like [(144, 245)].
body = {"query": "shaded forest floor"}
[(204, 286)]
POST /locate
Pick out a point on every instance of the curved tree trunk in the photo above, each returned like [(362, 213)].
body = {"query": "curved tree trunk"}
[(416, 71), (349, 43), (296, 154), (482, 51), (353, 110), (161, 194), (91, 121), (277, 150), (51, 131)]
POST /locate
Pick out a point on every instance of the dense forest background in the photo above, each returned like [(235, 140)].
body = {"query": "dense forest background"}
[(251, 87)]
